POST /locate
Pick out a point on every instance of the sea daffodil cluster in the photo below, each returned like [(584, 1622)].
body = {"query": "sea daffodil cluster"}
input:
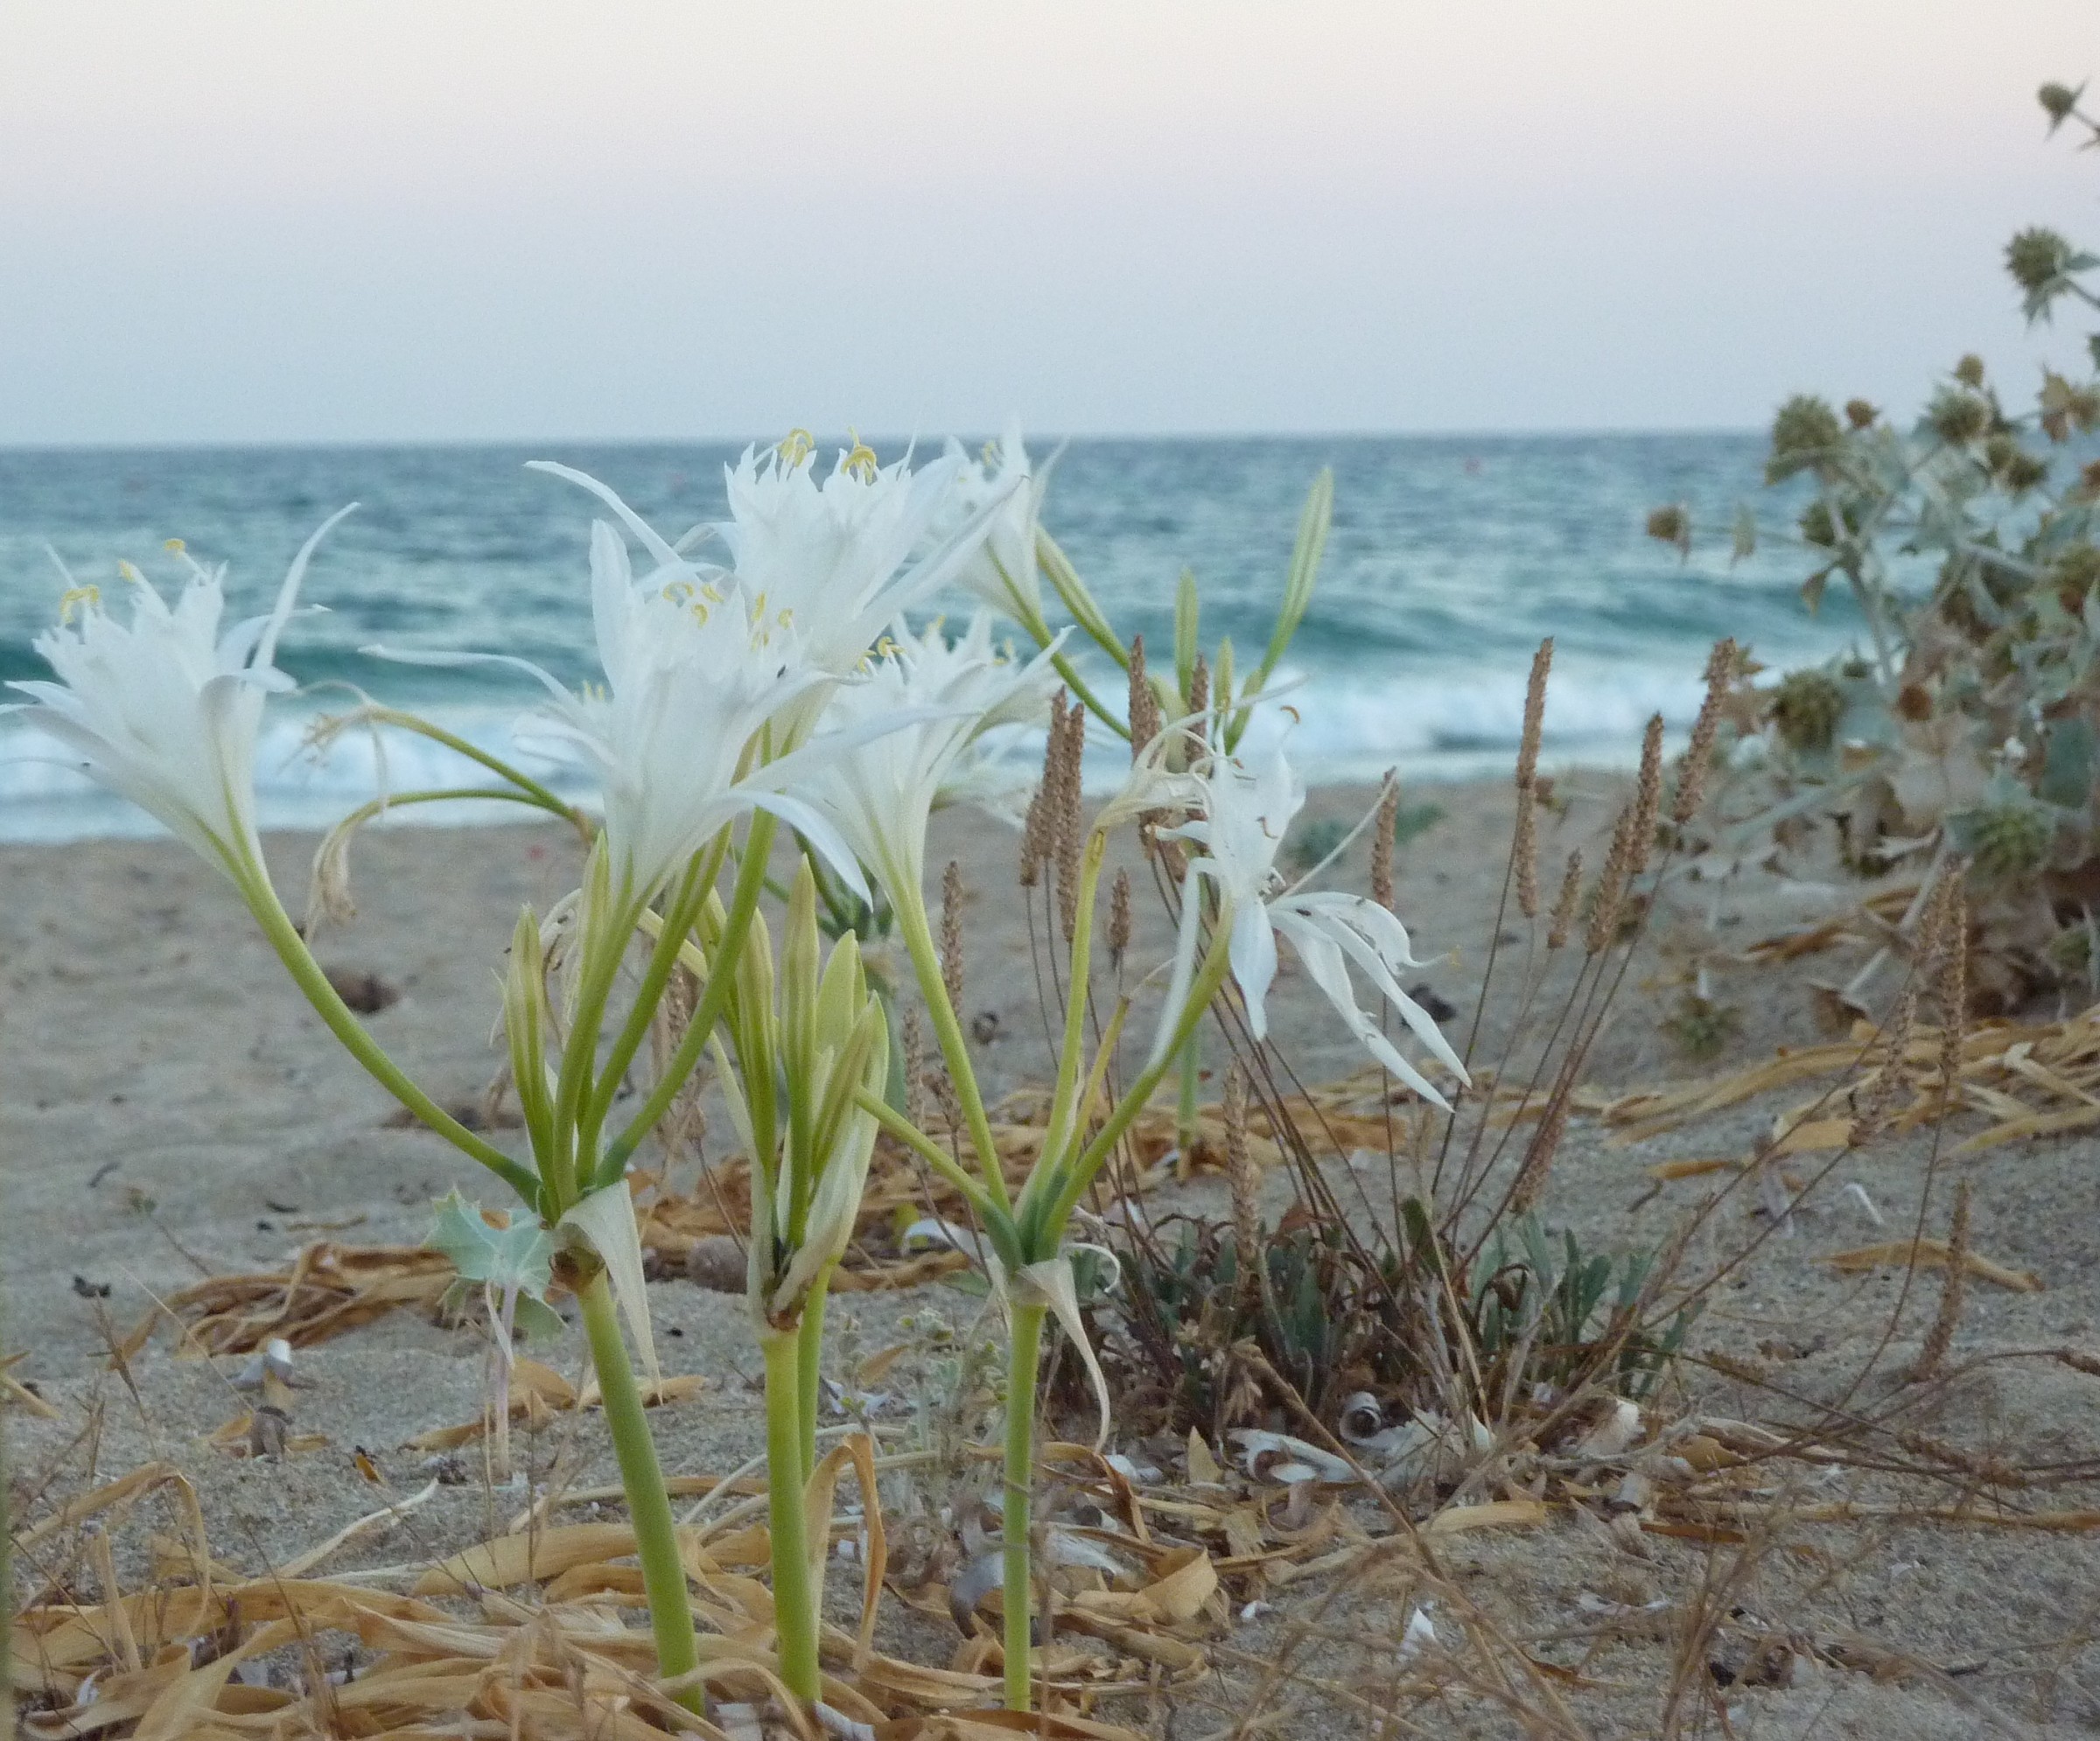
[(784, 684)]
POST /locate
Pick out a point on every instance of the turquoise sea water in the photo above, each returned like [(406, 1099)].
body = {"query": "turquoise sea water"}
[(1450, 557)]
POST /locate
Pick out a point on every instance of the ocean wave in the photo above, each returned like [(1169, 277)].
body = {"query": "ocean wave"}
[(1341, 727)]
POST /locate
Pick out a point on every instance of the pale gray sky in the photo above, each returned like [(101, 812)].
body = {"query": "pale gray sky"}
[(376, 220)]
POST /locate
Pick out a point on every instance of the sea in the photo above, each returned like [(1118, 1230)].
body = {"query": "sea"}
[(1449, 559)]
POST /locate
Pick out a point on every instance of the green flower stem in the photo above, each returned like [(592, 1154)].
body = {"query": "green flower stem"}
[(648, 1504), (1077, 684), (328, 1005), (919, 942), (721, 979), (1077, 600), (794, 1598), (810, 1344), (1043, 1223), (1026, 1341), (998, 1223), (680, 914), (1039, 632), (1191, 1070), (535, 792)]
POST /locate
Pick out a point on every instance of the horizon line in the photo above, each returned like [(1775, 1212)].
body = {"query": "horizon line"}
[(323, 445)]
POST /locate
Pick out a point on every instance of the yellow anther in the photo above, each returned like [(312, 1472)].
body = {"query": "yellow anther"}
[(861, 462), (77, 597), (991, 453), (175, 547), (712, 594), (796, 446), (127, 571)]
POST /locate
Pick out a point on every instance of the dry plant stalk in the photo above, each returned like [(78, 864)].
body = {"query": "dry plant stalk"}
[(1564, 902), (1523, 846), (1145, 723), (1066, 823), (1246, 1186), (1032, 841), (1381, 839), (1939, 1338), (1648, 798), (951, 934), (1697, 759), (1538, 1158), (1609, 895), (1119, 917)]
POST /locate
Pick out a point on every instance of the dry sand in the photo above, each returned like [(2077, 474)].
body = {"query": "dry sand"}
[(171, 1107)]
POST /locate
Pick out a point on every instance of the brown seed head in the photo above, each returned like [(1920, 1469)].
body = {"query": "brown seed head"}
[(1119, 917), (1648, 798), (1699, 753), (1381, 839), (1610, 894), (1144, 704), (951, 934), (1564, 903), (1523, 848), (1032, 841), (1875, 1103), (913, 1043), (1953, 985), (1068, 822), (1539, 1159), (1535, 713)]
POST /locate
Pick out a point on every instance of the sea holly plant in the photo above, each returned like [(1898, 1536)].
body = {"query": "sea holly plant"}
[(1963, 724), (511, 1266)]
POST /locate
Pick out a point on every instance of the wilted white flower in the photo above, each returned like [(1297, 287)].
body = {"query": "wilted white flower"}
[(1246, 812), (164, 709), (877, 792)]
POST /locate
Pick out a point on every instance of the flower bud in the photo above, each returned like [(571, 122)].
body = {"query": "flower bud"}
[(1805, 435)]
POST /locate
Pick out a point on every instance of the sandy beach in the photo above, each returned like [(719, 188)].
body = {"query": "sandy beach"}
[(171, 1109)]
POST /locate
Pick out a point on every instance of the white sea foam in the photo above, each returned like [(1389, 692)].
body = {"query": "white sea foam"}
[(1435, 725)]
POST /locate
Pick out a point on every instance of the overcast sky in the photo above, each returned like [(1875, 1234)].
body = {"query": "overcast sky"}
[(402, 219)]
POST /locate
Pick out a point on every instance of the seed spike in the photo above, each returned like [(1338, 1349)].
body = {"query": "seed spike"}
[(1535, 713), (1381, 839), (1564, 903), (951, 934), (1697, 759)]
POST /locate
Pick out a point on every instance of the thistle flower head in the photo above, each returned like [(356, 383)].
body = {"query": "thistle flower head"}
[(163, 709), (1805, 434)]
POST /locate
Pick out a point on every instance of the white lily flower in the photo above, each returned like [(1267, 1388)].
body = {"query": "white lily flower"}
[(1247, 811), (1002, 570), (879, 791), (165, 711), (694, 670), (834, 557)]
